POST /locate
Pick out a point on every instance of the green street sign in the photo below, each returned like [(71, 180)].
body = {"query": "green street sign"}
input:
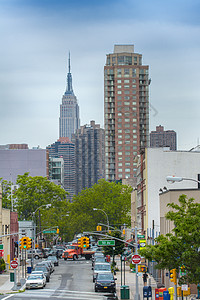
[(49, 231), (140, 236), (1, 247), (106, 243)]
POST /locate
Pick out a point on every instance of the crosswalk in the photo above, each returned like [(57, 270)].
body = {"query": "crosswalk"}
[(60, 294)]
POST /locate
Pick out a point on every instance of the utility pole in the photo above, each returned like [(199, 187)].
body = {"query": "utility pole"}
[(137, 295)]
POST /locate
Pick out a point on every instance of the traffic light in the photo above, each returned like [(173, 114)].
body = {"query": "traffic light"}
[(21, 243), (80, 242), (29, 243), (25, 242), (173, 277), (87, 242), (84, 242), (124, 231), (57, 231), (99, 228)]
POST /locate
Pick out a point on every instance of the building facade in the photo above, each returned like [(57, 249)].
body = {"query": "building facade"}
[(89, 155), (126, 111), (69, 110), (162, 138), (153, 168), (14, 162), (56, 170), (65, 149)]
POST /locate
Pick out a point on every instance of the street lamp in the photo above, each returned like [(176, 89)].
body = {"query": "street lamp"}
[(33, 235), (173, 179), (105, 215)]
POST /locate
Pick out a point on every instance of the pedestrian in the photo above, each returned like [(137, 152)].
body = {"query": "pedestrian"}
[(145, 275)]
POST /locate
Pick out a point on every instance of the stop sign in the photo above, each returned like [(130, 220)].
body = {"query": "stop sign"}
[(136, 259), (14, 264)]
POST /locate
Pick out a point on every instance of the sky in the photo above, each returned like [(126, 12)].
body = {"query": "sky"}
[(37, 35)]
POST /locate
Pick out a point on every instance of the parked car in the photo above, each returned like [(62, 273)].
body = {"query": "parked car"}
[(44, 269), (98, 259), (105, 282), (48, 264), (37, 253), (54, 260), (101, 268), (35, 281), (56, 252), (46, 252)]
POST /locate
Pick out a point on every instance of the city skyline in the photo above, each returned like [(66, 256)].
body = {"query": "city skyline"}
[(36, 40)]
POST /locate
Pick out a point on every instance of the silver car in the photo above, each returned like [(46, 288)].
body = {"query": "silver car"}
[(101, 268)]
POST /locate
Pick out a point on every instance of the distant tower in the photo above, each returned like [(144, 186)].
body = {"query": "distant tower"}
[(162, 138), (69, 110)]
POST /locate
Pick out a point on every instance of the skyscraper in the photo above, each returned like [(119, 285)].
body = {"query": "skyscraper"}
[(69, 110), (89, 155), (126, 111), (162, 138), (66, 149)]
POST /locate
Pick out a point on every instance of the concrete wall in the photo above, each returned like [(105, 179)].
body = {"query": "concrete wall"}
[(161, 162)]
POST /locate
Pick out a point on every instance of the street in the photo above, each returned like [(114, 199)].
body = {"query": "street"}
[(71, 280)]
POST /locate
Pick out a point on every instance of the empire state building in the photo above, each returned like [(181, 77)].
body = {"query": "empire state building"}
[(69, 120)]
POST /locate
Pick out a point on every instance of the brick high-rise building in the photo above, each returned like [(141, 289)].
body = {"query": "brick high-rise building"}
[(89, 155), (161, 138), (69, 111), (126, 111)]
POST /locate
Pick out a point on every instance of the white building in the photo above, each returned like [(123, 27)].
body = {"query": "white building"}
[(158, 163)]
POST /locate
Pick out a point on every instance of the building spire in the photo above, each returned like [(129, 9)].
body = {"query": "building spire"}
[(69, 89)]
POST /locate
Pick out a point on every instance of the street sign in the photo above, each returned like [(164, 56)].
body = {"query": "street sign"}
[(136, 259), (1, 252), (1, 247), (106, 243), (140, 236), (14, 264), (49, 231)]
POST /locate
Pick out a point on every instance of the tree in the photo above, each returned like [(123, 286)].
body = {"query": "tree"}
[(6, 193), (36, 191), (182, 246), (119, 246), (113, 198)]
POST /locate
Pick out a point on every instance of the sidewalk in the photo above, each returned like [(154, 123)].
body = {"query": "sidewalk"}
[(130, 280), (7, 286)]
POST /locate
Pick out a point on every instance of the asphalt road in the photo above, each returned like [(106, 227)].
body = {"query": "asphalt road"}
[(71, 280)]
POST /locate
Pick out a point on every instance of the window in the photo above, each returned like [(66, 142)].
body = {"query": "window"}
[(126, 92), (127, 158), (134, 103), (126, 98), (119, 131), (119, 97), (127, 130), (134, 119), (119, 114), (119, 92), (134, 147), (119, 86), (113, 59), (126, 81), (119, 147), (126, 86), (127, 125), (134, 92), (126, 108), (126, 72), (120, 136), (127, 136), (134, 108), (134, 80), (134, 136), (127, 147), (119, 153), (127, 170), (134, 86), (120, 175), (127, 120), (119, 120), (119, 103), (119, 81), (127, 114), (119, 170), (127, 164), (119, 142), (119, 71), (119, 164), (126, 103), (134, 97), (119, 108), (134, 72), (134, 142), (127, 142)]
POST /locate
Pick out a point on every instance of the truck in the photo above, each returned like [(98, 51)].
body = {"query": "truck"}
[(74, 252)]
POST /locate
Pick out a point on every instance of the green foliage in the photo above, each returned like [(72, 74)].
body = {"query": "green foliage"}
[(119, 246), (6, 193), (181, 247), (113, 198), (36, 191), (2, 265)]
